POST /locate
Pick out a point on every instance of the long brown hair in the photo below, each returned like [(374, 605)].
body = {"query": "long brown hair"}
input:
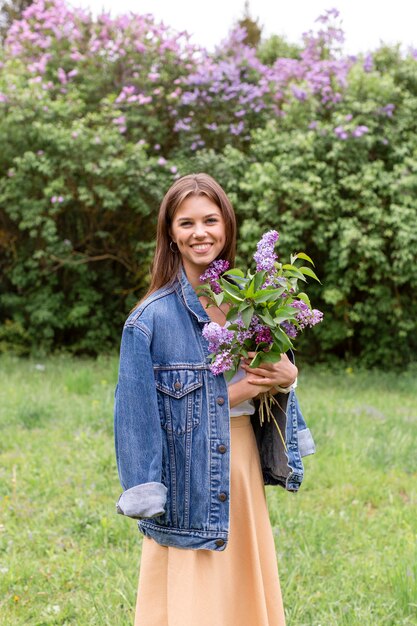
[(166, 262)]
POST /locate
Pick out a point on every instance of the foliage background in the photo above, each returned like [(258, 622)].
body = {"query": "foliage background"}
[(99, 117)]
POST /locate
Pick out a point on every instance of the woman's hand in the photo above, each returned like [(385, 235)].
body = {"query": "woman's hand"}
[(282, 373), (247, 388)]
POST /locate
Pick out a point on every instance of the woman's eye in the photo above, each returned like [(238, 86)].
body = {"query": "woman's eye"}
[(212, 220)]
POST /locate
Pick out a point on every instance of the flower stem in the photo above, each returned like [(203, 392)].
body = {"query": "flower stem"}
[(265, 410)]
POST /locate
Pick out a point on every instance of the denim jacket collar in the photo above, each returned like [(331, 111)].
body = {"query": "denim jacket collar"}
[(189, 297)]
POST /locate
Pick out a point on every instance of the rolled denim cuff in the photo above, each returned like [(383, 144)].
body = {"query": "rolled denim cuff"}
[(146, 500), (306, 443)]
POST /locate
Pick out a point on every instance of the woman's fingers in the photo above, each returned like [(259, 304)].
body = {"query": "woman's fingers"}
[(282, 373), (259, 371)]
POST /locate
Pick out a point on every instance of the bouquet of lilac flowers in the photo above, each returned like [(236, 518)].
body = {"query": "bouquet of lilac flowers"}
[(267, 309)]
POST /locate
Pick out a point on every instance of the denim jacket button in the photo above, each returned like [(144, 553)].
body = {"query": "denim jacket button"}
[(177, 385), (219, 542), (222, 497), (221, 448), (220, 400)]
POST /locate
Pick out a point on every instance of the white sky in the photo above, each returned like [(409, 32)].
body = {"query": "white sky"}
[(366, 22)]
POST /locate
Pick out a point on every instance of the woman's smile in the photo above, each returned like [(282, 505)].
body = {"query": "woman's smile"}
[(201, 248)]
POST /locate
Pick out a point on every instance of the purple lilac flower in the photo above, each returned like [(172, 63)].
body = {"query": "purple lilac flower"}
[(264, 335), (299, 94), (265, 256), (359, 131), (340, 132), (212, 273), (222, 362), (368, 64), (387, 110), (306, 316), (217, 335), (289, 329), (243, 333)]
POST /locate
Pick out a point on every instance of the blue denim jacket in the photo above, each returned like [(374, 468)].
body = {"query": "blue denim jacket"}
[(172, 426)]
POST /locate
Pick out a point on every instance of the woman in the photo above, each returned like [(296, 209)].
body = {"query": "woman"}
[(189, 457)]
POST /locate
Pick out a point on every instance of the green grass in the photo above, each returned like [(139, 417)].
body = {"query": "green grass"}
[(346, 543)]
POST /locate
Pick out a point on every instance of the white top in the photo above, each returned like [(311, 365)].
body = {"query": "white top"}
[(244, 408)]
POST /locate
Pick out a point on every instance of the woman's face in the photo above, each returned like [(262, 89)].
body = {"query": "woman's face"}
[(199, 231)]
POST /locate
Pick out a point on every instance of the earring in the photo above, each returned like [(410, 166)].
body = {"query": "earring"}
[(171, 248)]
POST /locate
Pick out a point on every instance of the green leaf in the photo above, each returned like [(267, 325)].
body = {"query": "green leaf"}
[(283, 341), (237, 276), (259, 280), (230, 373), (304, 297), (303, 255), (266, 317), (294, 271), (234, 272), (218, 298), (309, 272), (265, 295), (232, 313), (284, 313), (291, 274), (246, 314), (272, 356), (256, 360), (231, 290)]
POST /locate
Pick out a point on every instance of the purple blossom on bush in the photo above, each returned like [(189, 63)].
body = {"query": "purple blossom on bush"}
[(299, 94), (359, 131), (265, 256), (212, 274), (387, 110), (340, 132), (368, 64), (237, 129)]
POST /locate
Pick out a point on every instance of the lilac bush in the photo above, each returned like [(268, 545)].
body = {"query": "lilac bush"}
[(102, 113)]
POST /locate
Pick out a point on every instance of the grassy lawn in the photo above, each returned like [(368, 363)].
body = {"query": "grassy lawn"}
[(346, 543)]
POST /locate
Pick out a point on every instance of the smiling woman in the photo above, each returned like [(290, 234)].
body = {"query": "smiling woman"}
[(187, 454)]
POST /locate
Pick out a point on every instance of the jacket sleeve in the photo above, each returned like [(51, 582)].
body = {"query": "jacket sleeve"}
[(137, 427)]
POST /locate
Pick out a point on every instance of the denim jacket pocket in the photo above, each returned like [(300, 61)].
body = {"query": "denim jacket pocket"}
[(179, 399)]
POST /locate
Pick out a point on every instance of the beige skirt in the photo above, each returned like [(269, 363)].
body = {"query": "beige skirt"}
[(238, 586)]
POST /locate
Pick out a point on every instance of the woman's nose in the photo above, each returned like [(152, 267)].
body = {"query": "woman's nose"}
[(199, 230)]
